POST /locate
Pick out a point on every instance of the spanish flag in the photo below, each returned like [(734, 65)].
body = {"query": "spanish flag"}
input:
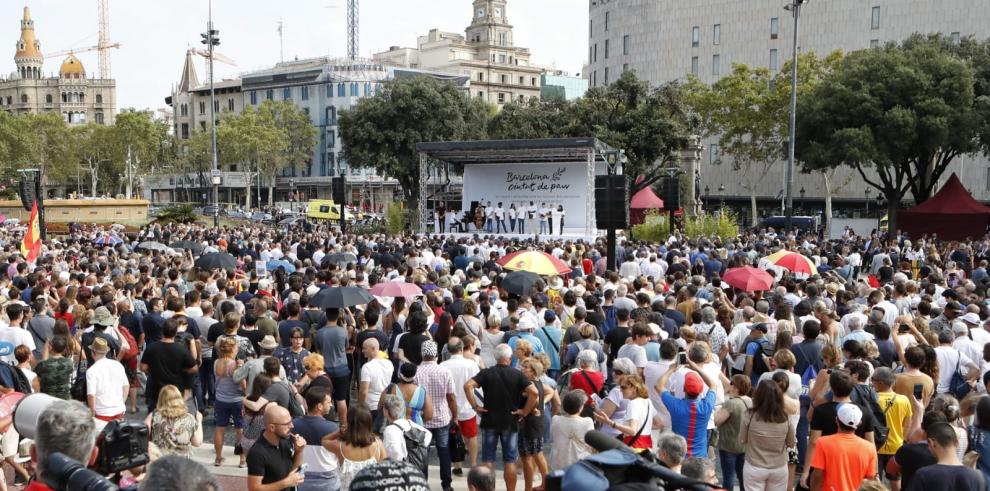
[(31, 246)]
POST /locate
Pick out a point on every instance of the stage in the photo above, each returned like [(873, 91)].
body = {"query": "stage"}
[(573, 237)]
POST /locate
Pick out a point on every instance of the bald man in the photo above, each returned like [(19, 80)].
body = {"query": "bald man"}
[(375, 375), (274, 460)]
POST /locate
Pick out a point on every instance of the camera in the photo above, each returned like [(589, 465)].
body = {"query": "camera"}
[(122, 445)]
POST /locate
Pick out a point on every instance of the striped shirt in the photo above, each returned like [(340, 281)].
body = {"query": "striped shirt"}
[(689, 418)]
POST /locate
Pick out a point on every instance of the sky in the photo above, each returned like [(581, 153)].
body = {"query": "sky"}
[(154, 34)]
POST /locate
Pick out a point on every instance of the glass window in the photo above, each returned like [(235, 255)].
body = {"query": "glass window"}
[(875, 18), (595, 57), (625, 67), (594, 78), (331, 139), (269, 94), (773, 59), (955, 37), (694, 65), (331, 115), (713, 153), (774, 27), (606, 75), (287, 93), (304, 93), (625, 44), (341, 90), (230, 105), (354, 89), (874, 43), (254, 97), (501, 98), (591, 27), (716, 65), (329, 91), (606, 49), (695, 36), (606, 19), (202, 108), (501, 58), (367, 89), (717, 34)]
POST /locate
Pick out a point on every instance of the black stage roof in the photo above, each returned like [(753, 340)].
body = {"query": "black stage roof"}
[(514, 151)]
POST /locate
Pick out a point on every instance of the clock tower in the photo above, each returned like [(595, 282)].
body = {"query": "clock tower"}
[(489, 24)]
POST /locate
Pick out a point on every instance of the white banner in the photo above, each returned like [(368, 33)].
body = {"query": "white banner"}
[(544, 185)]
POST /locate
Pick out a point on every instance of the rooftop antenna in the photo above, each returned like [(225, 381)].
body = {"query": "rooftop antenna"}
[(281, 44)]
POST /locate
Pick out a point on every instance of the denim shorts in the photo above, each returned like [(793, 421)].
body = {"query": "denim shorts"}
[(226, 412), (510, 445)]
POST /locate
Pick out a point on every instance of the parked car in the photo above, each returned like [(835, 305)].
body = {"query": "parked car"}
[(260, 216)]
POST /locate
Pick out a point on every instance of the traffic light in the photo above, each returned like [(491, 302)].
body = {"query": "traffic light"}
[(211, 36)]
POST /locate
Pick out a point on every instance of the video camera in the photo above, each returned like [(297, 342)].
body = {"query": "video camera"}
[(122, 445), (617, 466)]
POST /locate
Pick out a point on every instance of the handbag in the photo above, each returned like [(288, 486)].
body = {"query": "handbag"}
[(78, 389), (458, 450), (958, 384)]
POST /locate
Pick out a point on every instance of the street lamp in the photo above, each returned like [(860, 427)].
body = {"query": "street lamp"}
[(721, 197), (211, 38), (292, 195), (867, 192), (802, 192), (708, 192), (795, 8)]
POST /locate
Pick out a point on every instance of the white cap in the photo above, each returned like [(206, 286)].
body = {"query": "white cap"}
[(312, 290), (264, 284), (971, 318), (850, 415)]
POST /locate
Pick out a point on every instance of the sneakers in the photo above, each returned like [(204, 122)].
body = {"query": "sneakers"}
[(457, 471)]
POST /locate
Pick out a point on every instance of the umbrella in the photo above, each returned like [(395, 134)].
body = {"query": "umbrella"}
[(217, 260), (537, 262), (795, 263), (340, 258), (108, 240), (188, 245), (340, 297), (153, 246), (520, 282), (748, 279), (280, 263), (396, 289)]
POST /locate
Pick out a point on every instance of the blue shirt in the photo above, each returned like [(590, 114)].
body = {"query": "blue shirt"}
[(533, 340), (754, 348), (549, 337), (652, 351), (313, 428), (689, 418)]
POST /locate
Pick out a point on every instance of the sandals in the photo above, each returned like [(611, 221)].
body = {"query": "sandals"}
[(218, 462)]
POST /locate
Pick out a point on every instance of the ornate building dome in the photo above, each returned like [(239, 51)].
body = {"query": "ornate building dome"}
[(72, 68)]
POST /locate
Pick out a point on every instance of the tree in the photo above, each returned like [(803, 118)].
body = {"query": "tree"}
[(381, 132), (253, 138), (49, 146), (95, 147), (534, 119), (301, 137), (138, 142), (904, 110)]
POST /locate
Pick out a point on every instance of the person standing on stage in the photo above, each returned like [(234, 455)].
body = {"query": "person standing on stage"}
[(526, 214), (479, 216), (489, 217), (441, 217), (558, 216), (545, 224), (500, 219), (512, 217)]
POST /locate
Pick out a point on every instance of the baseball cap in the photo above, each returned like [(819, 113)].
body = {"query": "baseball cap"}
[(759, 325), (850, 414), (693, 385), (971, 318)]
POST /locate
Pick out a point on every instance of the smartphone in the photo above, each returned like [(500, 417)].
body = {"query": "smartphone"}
[(903, 328), (917, 391), (302, 469), (682, 358)]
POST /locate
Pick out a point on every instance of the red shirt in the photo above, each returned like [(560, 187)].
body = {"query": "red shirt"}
[(37, 486), (587, 265), (579, 381)]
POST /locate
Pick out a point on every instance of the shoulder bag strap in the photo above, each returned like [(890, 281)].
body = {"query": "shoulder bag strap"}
[(591, 384), (556, 348), (641, 427)]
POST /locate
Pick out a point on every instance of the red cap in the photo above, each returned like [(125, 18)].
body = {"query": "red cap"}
[(693, 385)]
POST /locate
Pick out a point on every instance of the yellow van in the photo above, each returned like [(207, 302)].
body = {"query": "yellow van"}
[(325, 209)]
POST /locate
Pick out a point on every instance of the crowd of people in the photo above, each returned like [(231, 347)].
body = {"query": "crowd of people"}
[(869, 373)]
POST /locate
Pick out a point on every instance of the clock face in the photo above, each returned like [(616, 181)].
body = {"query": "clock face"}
[(481, 12), (498, 12)]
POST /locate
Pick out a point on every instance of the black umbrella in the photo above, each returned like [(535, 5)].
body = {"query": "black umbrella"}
[(188, 245), (520, 282), (217, 260), (340, 297), (339, 258)]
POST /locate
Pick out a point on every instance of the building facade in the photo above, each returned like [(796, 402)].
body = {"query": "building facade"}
[(499, 71), (70, 92), (665, 41), (561, 86)]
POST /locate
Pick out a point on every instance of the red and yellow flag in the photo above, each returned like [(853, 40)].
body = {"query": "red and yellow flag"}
[(31, 246)]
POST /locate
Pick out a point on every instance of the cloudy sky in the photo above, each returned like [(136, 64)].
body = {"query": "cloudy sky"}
[(154, 34)]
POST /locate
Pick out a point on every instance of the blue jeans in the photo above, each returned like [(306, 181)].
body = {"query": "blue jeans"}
[(803, 430), (490, 439), (206, 378), (732, 466), (521, 223), (500, 226), (544, 227), (441, 438), (320, 481), (489, 224)]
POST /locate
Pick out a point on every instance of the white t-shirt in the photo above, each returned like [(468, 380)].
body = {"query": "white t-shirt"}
[(641, 411), (377, 373), (500, 213), (948, 360), (15, 336), (394, 440), (634, 352), (461, 370), (557, 214), (544, 212), (107, 382)]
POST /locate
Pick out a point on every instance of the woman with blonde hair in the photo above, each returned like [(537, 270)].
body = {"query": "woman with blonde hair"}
[(228, 407), (173, 429), (531, 430), (639, 414)]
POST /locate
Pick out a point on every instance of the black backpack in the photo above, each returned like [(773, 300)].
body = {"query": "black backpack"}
[(866, 399), (416, 449), (21, 383), (766, 351)]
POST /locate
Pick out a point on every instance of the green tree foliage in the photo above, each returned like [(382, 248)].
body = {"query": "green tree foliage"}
[(381, 132), (136, 137), (49, 146), (95, 147), (252, 137), (651, 124), (906, 110)]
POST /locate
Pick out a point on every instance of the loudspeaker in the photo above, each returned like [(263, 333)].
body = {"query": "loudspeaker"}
[(671, 193), (611, 202), (339, 191), (28, 193)]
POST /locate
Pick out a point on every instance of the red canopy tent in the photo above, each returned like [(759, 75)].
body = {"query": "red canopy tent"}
[(643, 200), (952, 213)]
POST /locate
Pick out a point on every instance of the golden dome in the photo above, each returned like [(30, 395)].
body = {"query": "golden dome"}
[(28, 46), (72, 67)]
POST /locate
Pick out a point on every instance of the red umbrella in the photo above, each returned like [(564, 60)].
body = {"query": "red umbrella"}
[(748, 279), (396, 289), (796, 263)]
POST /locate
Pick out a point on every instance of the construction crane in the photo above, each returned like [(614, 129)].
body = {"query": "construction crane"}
[(103, 44), (352, 29), (216, 57)]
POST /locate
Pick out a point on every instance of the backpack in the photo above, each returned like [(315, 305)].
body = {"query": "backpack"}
[(760, 362), (866, 398), (416, 449), (20, 382), (611, 319)]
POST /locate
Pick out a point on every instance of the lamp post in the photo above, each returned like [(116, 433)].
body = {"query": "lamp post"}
[(802, 192), (867, 192), (292, 195), (721, 197), (708, 192), (211, 38), (795, 8)]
